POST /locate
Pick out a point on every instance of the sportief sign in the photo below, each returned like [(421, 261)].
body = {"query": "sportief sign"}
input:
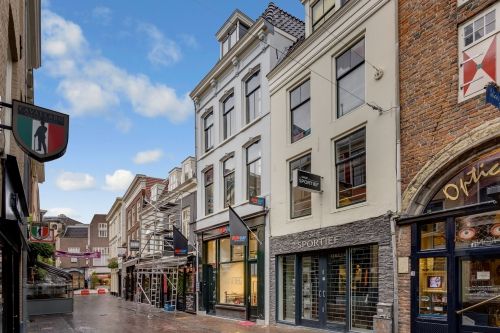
[(41, 133)]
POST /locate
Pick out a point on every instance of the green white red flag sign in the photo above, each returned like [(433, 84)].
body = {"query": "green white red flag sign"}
[(40, 132)]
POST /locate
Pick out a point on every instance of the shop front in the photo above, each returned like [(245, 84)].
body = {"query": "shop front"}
[(334, 278), (455, 251), (233, 275)]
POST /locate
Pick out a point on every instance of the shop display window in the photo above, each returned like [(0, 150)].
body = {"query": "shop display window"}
[(480, 285), (433, 236), (211, 252), (478, 230), (238, 253), (231, 286), (253, 284), (286, 288), (225, 250), (252, 247), (432, 287)]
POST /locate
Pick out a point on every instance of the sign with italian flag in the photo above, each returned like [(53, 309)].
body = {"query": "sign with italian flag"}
[(41, 133), (41, 234)]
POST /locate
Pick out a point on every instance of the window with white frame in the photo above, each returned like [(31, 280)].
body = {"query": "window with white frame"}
[(208, 131), (74, 250), (103, 230), (228, 117), (229, 42), (478, 29), (252, 97), (351, 79), (254, 169), (228, 176), (300, 110), (321, 11), (186, 219), (209, 191), (300, 200), (478, 62), (103, 260)]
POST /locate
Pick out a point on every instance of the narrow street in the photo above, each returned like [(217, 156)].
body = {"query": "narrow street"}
[(107, 314)]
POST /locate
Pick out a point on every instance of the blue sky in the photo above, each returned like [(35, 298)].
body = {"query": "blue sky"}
[(123, 71)]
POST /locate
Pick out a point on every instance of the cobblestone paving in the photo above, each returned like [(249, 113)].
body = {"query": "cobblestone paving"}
[(108, 314)]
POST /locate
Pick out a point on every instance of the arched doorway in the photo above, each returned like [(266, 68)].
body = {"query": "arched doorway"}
[(455, 245), (78, 281)]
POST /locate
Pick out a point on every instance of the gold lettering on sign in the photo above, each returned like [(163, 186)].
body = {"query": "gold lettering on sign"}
[(452, 191)]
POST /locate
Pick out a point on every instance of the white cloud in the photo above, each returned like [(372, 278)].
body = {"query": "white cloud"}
[(70, 212), (73, 181), (163, 51), (119, 180), (92, 84), (190, 40), (102, 14), (148, 156)]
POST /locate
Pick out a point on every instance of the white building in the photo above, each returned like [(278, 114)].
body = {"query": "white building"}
[(334, 113), (116, 221), (233, 159)]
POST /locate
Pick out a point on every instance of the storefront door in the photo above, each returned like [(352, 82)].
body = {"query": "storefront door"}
[(479, 299), (324, 296)]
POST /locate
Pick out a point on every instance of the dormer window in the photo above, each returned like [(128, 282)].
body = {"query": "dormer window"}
[(229, 42), (321, 11), (233, 35)]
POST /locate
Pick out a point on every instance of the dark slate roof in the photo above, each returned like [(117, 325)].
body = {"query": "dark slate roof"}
[(76, 232), (283, 20)]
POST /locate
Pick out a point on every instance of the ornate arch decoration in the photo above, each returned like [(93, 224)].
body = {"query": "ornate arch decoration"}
[(447, 163)]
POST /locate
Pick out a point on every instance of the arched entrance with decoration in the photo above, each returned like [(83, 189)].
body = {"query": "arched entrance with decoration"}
[(453, 240), (78, 275)]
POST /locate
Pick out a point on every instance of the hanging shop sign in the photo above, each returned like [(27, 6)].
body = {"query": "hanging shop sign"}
[(84, 255), (258, 201), (134, 245), (493, 95), (306, 181), (180, 243), (40, 132), (41, 234)]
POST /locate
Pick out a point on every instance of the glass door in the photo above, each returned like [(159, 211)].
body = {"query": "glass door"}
[(252, 297), (313, 291), (336, 291), (479, 299)]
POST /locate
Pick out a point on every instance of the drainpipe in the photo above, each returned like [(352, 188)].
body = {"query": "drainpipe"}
[(398, 175), (197, 245)]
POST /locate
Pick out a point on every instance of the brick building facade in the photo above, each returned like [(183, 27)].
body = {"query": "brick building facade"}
[(447, 55)]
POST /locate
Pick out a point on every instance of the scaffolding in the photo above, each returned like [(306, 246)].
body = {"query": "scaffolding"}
[(157, 262)]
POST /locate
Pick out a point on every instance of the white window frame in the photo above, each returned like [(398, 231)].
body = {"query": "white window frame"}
[(73, 250), (102, 230), (186, 219), (472, 22)]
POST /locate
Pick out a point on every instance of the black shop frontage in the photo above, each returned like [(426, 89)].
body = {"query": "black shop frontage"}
[(455, 249), (232, 276)]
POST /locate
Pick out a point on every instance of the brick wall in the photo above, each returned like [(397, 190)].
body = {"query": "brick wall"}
[(66, 243), (431, 116)]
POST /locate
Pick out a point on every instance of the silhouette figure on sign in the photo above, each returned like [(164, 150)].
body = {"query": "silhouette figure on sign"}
[(41, 133)]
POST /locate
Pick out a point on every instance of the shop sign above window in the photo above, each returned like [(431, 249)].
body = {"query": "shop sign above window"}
[(470, 185)]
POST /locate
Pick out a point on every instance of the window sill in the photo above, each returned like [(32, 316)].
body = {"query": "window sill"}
[(298, 219), (353, 206)]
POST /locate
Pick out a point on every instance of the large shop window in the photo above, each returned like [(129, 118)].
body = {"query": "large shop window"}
[(433, 236), (300, 110), (339, 288), (350, 160), (300, 204), (432, 287), (351, 79), (254, 170), (231, 273), (286, 291), (480, 230)]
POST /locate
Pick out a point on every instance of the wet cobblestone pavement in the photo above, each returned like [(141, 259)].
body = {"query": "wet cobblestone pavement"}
[(108, 314)]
